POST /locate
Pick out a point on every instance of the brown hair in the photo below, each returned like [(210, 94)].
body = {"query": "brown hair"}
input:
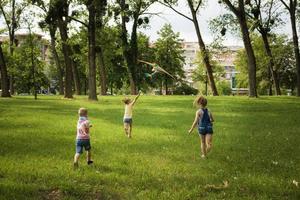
[(126, 100), (82, 112), (202, 101)]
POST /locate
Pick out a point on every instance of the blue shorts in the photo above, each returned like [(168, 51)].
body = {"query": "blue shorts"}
[(80, 144), (203, 130), (127, 120)]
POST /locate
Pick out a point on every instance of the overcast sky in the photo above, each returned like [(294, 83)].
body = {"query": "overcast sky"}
[(186, 28)]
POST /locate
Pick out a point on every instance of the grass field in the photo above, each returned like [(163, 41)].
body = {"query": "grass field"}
[(256, 148)]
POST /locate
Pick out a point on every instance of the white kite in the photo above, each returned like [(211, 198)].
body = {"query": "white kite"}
[(156, 69)]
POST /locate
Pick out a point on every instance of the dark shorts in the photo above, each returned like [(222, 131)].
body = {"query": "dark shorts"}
[(203, 130), (127, 120), (80, 144)]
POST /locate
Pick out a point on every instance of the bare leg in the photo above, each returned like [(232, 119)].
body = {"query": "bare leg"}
[(76, 157), (126, 128), (129, 131), (89, 155), (203, 146), (208, 142)]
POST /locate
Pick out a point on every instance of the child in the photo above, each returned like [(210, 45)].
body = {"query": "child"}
[(83, 137), (204, 120), (128, 114)]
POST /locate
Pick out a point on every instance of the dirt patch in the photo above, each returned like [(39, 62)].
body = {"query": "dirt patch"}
[(54, 194)]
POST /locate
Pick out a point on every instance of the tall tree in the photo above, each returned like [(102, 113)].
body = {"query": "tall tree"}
[(4, 75), (113, 71), (265, 16), (51, 27), (96, 10), (292, 7), (134, 10), (168, 51), (194, 6), (238, 9), (101, 11), (284, 63), (11, 12), (92, 49), (58, 13)]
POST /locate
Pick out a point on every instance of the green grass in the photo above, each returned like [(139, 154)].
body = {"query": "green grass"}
[(256, 148)]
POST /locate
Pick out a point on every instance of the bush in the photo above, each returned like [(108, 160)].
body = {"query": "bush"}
[(223, 87), (185, 89)]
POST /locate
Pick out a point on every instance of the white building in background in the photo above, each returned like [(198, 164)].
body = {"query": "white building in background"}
[(190, 54), (225, 58), (42, 42)]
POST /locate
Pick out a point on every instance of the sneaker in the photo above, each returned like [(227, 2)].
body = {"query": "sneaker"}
[(203, 156), (90, 162)]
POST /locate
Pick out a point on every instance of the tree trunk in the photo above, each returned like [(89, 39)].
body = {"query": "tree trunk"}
[(203, 51), (76, 78), (92, 51), (273, 72), (296, 47), (102, 73), (161, 88), (134, 53), (127, 50), (251, 61), (67, 57), (270, 92), (56, 59), (166, 86), (12, 42), (4, 76)]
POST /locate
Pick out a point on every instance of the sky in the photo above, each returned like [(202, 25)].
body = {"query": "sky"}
[(182, 25), (186, 27)]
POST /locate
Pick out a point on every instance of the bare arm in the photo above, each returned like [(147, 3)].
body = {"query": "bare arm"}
[(86, 127), (136, 98), (211, 117), (195, 122)]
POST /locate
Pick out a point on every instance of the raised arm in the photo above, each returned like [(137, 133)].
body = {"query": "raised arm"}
[(136, 98), (195, 122)]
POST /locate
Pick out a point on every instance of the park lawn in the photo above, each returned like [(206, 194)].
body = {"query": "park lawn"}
[(256, 148)]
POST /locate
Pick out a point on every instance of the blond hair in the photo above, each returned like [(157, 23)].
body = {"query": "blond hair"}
[(82, 112)]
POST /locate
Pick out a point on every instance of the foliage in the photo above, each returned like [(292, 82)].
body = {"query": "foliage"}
[(168, 54), (146, 53), (284, 64), (199, 74), (113, 58), (184, 89), (224, 87), (20, 66)]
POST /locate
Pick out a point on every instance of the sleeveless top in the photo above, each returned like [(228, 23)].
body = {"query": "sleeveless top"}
[(128, 111), (204, 119)]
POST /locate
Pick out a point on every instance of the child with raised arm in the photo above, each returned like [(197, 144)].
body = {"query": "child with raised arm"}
[(204, 120), (128, 114), (83, 137)]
